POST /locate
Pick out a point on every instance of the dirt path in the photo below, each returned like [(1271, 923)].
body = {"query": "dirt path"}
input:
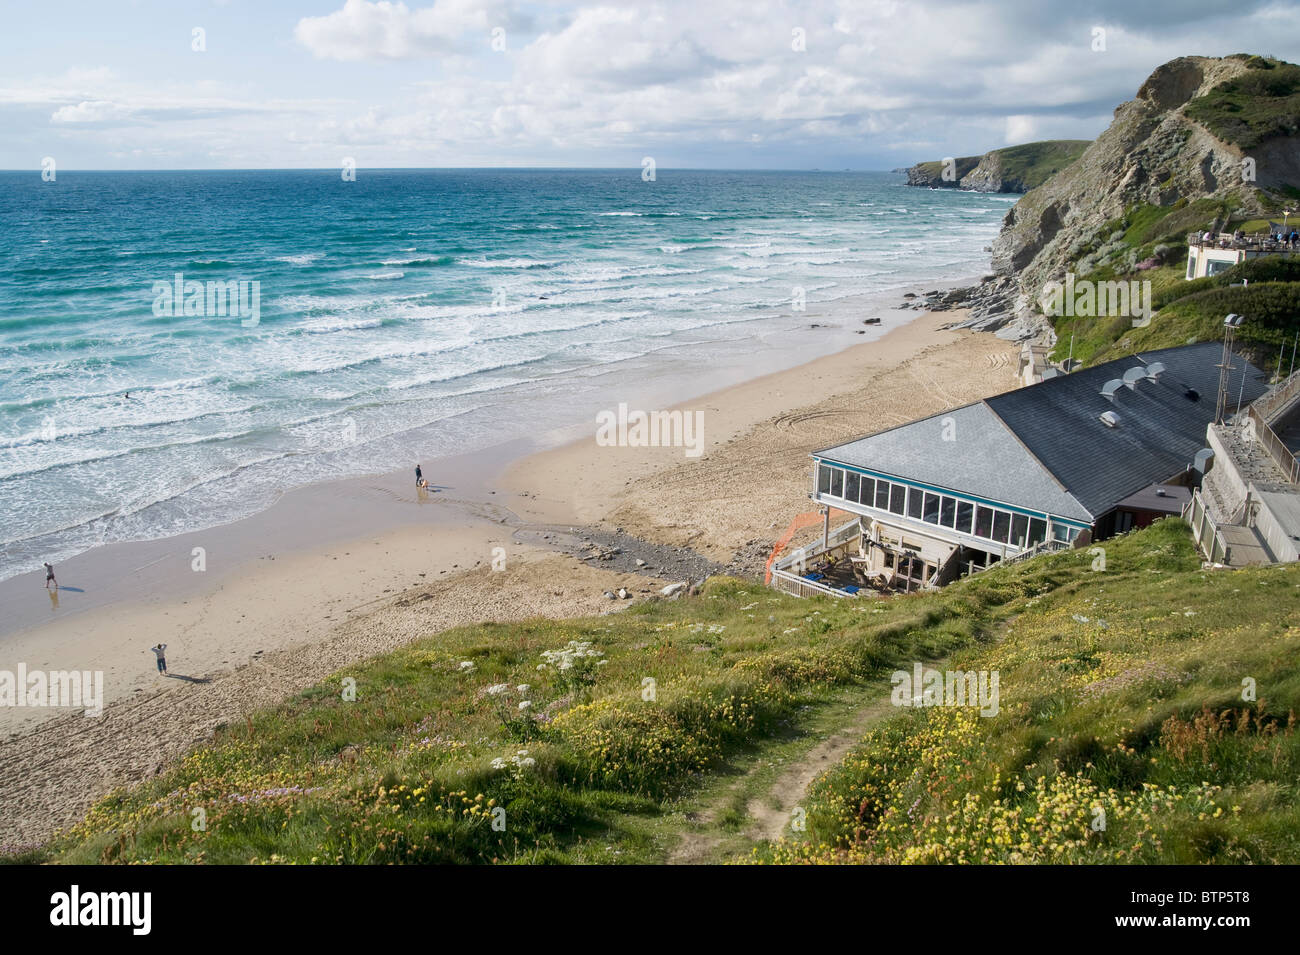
[(770, 813)]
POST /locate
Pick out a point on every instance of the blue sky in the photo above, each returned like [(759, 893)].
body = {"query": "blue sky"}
[(866, 84)]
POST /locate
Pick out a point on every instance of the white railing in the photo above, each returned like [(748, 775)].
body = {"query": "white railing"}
[(1204, 530), (1278, 397), (1048, 546), (790, 583), (805, 555)]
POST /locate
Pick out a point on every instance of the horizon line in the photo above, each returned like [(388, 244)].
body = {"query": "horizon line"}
[(635, 168)]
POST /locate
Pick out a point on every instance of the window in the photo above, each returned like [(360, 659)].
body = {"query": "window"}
[(1019, 530), (1037, 530), (837, 482), (1001, 526), (1060, 532), (914, 504), (931, 512), (868, 495), (947, 511), (965, 511), (897, 493), (823, 479), (851, 485), (983, 522), (882, 495)]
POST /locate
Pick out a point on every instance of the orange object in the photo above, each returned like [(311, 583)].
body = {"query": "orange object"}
[(799, 523)]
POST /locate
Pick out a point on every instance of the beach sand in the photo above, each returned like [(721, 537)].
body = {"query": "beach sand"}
[(279, 618)]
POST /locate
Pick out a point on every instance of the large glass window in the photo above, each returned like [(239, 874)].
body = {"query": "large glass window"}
[(882, 495), (837, 483), (1001, 526), (965, 513), (868, 494), (897, 493), (984, 522), (1037, 530), (947, 511), (823, 479), (931, 512), (914, 504), (851, 484), (1019, 529)]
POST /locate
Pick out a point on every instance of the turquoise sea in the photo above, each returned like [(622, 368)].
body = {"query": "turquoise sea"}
[(406, 311)]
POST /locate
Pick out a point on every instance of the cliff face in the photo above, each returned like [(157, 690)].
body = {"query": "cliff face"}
[(1151, 153), (1011, 169)]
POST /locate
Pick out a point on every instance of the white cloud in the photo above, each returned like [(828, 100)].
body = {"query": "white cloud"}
[(362, 30), (98, 111), (880, 83)]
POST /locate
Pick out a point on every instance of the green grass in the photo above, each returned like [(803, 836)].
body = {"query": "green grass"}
[(744, 677), (1186, 311), (404, 773), (1035, 163), (1032, 163), (1254, 108), (1125, 732)]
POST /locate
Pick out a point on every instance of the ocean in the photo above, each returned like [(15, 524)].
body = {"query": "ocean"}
[(406, 313)]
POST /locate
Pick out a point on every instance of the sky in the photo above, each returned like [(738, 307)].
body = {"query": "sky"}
[(740, 84)]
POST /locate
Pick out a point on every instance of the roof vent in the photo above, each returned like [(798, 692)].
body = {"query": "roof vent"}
[(1133, 376), (1191, 394), (1109, 419), (1155, 370), (1109, 388)]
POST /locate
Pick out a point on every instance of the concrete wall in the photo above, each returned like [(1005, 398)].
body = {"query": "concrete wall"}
[(1224, 488), (1277, 518)]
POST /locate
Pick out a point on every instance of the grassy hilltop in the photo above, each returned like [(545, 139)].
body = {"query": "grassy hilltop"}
[(1120, 689), (1011, 169)]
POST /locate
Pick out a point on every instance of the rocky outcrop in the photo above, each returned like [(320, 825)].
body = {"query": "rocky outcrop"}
[(1151, 153)]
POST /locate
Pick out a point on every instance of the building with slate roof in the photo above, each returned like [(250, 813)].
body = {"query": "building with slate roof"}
[(1069, 460)]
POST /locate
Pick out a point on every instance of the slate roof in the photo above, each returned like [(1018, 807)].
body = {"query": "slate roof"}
[(1044, 447)]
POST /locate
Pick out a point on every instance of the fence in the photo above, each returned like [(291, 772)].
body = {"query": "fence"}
[(1204, 530)]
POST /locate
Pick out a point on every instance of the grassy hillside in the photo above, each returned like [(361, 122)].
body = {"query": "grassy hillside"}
[(1149, 244), (1034, 163), (1029, 165), (601, 764), (1123, 735), (1254, 108)]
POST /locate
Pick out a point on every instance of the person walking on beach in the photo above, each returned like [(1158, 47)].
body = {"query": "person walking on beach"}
[(419, 475), (49, 576), (162, 661)]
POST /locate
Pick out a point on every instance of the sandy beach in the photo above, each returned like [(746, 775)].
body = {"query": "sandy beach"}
[(313, 590)]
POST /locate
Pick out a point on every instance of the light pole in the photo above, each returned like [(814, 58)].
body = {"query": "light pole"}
[(1230, 325)]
